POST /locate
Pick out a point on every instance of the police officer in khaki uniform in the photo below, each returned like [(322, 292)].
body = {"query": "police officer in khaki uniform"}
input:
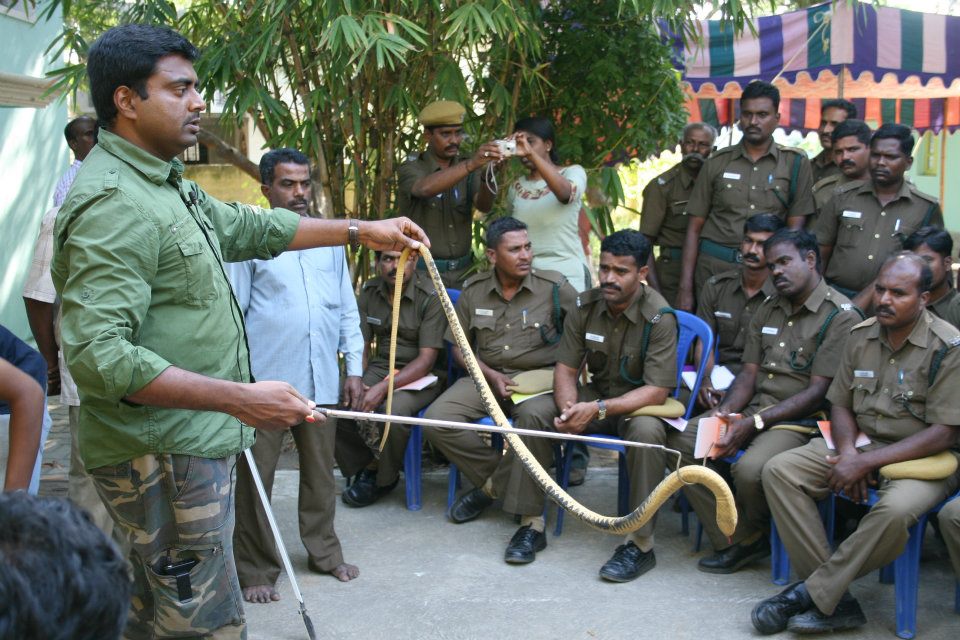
[(626, 334), (866, 221), (663, 219), (790, 356), (935, 246), (832, 114), (419, 343), (729, 300), (896, 384), (514, 319), (851, 150), (755, 176), (438, 189)]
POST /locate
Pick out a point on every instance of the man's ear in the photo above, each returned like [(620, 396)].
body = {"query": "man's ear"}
[(124, 99), (491, 256), (265, 190), (644, 272)]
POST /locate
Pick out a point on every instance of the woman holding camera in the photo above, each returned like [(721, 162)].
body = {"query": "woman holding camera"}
[(547, 199)]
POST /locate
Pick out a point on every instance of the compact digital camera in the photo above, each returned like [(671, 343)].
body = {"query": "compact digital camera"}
[(507, 147)]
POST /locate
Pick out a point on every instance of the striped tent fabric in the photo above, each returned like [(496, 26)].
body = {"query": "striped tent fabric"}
[(913, 78)]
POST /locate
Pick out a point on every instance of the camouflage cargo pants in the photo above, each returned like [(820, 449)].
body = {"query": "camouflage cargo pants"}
[(176, 512)]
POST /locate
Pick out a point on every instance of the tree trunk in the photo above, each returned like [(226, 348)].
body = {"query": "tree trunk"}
[(231, 153)]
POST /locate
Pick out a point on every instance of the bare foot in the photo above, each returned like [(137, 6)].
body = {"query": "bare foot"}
[(261, 593), (345, 572)]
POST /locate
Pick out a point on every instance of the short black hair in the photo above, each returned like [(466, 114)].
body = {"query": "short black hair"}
[(839, 103), (500, 226), (939, 240), (897, 132), (761, 89), (68, 131), (801, 240), (853, 127), (61, 576), (543, 129), (763, 222), (627, 242), (270, 160), (926, 273), (126, 56)]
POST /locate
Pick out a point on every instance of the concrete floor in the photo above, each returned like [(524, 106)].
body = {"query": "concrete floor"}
[(422, 577)]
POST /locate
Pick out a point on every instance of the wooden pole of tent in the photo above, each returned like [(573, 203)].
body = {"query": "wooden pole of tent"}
[(943, 167), (843, 77)]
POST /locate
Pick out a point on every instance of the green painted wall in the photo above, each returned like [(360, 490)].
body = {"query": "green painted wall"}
[(33, 155), (931, 183)]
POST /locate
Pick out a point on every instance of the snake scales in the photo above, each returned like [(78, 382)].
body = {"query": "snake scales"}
[(726, 508)]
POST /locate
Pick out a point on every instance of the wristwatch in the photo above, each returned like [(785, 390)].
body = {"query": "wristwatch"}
[(353, 233), (758, 422), (602, 413)]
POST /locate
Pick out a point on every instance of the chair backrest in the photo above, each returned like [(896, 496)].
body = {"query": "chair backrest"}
[(453, 371), (691, 328)]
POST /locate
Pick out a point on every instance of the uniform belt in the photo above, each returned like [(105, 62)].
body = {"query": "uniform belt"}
[(674, 253), (727, 254), (445, 264), (850, 293)]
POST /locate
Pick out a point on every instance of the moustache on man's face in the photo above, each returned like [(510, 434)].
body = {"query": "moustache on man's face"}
[(611, 286)]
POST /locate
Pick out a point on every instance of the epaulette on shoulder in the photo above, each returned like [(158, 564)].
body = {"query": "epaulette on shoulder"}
[(847, 187), (784, 147), (667, 176), (479, 277), (425, 284), (725, 275), (824, 183), (589, 297), (549, 274), (653, 305), (869, 322), (945, 331), (923, 195), (371, 283)]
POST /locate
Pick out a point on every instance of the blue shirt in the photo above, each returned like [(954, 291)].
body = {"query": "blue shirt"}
[(300, 310), (23, 357)]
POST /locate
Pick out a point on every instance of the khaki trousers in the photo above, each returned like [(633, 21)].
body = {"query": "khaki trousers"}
[(949, 518), (797, 479), (256, 554), (477, 459), (668, 275), (352, 452), (707, 267)]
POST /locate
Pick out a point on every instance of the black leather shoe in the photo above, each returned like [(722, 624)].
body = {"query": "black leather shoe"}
[(773, 614), (628, 563), (363, 491), (734, 558), (524, 545), (847, 615), (468, 506)]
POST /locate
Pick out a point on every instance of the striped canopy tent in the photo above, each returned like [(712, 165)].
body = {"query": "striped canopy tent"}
[(895, 65)]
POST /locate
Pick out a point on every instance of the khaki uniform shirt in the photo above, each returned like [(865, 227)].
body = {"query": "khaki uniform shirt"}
[(521, 334), (663, 216), (825, 189), (446, 218), (886, 387), (784, 342), (947, 308), (612, 345), (823, 166), (422, 323), (731, 188), (723, 304), (863, 233)]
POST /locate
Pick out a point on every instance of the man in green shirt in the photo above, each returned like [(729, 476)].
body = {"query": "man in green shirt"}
[(155, 339)]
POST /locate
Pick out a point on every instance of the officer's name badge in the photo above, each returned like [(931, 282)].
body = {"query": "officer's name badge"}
[(770, 331), (594, 337), (722, 314), (860, 373), (852, 214), (729, 175), (484, 312), (373, 320)]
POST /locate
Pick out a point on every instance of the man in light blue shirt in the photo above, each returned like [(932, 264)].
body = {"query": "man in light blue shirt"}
[(300, 311)]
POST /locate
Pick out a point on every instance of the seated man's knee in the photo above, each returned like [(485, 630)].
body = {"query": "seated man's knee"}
[(644, 429)]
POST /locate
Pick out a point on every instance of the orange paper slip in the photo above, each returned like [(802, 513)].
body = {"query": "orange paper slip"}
[(861, 441)]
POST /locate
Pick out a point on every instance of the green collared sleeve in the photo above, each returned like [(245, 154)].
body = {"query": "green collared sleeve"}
[(111, 246), (246, 232)]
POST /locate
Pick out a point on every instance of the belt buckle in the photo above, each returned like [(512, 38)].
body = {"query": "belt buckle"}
[(737, 256)]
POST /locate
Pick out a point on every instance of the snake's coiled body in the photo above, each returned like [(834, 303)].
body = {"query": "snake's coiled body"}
[(726, 508)]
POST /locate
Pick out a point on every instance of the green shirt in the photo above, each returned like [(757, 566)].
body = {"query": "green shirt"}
[(143, 287)]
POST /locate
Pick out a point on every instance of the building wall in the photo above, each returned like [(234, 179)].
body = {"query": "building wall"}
[(950, 164), (226, 182), (33, 155)]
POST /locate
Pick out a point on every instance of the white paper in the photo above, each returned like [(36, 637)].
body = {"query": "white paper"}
[(419, 385), (721, 378), (677, 423)]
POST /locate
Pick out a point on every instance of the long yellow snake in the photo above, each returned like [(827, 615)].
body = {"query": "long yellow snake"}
[(726, 508)]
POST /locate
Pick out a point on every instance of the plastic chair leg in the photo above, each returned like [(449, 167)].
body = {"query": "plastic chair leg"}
[(906, 570), (411, 468), (684, 513), (956, 598), (564, 483), (453, 484), (623, 486), (779, 560)]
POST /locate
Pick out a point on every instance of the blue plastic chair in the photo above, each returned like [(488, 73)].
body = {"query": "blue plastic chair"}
[(453, 477), (690, 328), (413, 454), (904, 573)]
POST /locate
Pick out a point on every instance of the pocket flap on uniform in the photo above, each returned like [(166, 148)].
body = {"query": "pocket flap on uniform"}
[(190, 247)]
